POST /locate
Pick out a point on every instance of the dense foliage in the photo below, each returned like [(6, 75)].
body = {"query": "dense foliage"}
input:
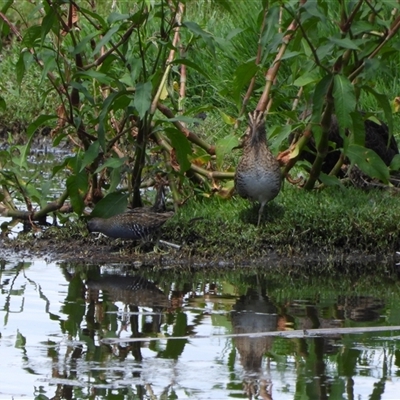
[(133, 82)]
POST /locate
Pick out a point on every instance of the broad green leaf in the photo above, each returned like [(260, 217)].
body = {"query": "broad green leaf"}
[(344, 98), (233, 33), (198, 31), (181, 118), (94, 15), (34, 194), (77, 186), (357, 133), (90, 155), (32, 34), (227, 118), (368, 161), (115, 179), (305, 79), (384, 103), (223, 147), (3, 104), (81, 46), (192, 65), (358, 27), (112, 204), (345, 43), (329, 180), (20, 68), (25, 149), (105, 39), (99, 76), (242, 77), (115, 17), (395, 164), (82, 89), (290, 54), (107, 105), (182, 147), (321, 89), (49, 21), (278, 134), (113, 162), (142, 100), (38, 122)]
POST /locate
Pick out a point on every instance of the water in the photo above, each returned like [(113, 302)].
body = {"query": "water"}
[(71, 331)]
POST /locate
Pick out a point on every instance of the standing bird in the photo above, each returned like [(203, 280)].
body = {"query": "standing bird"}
[(258, 176)]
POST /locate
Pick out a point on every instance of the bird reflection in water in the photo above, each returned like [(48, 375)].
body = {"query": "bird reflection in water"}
[(134, 292), (254, 313)]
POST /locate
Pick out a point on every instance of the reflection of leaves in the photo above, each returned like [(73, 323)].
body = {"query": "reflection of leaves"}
[(175, 347), (74, 306), (20, 341)]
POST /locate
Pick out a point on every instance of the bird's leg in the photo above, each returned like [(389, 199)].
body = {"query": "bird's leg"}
[(260, 213)]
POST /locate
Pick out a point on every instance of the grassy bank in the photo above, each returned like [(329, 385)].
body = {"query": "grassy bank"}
[(344, 219)]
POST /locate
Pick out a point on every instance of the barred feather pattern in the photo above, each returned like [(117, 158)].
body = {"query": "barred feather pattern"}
[(258, 175)]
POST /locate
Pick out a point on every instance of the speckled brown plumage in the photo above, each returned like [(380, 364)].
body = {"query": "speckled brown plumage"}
[(136, 224), (258, 176)]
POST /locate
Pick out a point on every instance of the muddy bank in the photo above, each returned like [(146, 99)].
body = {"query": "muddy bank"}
[(94, 249)]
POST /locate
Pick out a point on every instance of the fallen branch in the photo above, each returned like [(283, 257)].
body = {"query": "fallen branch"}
[(299, 333)]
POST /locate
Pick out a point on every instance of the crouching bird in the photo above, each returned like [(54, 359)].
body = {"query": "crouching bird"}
[(258, 175), (134, 224)]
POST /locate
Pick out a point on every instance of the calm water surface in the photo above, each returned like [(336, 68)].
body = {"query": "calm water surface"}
[(71, 332)]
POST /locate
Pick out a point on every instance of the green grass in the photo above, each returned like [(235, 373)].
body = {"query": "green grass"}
[(343, 220)]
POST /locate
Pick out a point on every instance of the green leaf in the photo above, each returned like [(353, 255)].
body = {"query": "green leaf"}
[(99, 76), (305, 79), (227, 118), (82, 89), (357, 135), (345, 43), (112, 204), (115, 179), (142, 100), (3, 104), (321, 89), (190, 64), (395, 164), (90, 154), (242, 77), (368, 161), (115, 17), (31, 35), (49, 21), (207, 37), (77, 186), (107, 104), (182, 147), (25, 149), (105, 39), (278, 134), (38, 122), (81, 46), (113, 162), (223, 147), (94, 15), (329, 180), (345, 101), (384, 103)]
